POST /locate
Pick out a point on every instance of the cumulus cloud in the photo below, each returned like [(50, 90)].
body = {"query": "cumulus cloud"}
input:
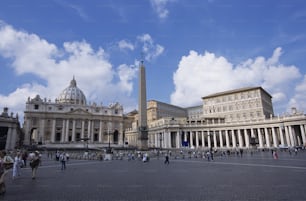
[(199, 75), (159, 7), (149, 48), (298, 100), (123, 45), (30, 54)]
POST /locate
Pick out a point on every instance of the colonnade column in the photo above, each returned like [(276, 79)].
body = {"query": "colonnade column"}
[(215, 139), (287, 136), (268, 144), (302, 127), (191, 138), (221, 138), (203, 139), (247, 139), (275, 142), (259, 138), (227, 139), (208, 139), (240, 138), (281, 135), (291, 136), (197, 139), (233, 138)]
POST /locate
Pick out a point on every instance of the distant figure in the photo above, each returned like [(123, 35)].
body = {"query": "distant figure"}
[(167, 159)]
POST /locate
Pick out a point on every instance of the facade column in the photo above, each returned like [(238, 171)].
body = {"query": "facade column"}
[(42, 132), (178, 137), (67, 131), (260, 138), (215, 139), (275, 141), (63, 131), (268, 144), (221, 138), (302, 127), (53, 130), (89, 131), (240, 138), (73, 130), (227, 139), (100, 131), (82, 129), (247, 138)]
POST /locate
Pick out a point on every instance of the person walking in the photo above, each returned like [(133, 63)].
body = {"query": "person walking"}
[(167, 159), (34, 163), (63, 159), (18, 163)]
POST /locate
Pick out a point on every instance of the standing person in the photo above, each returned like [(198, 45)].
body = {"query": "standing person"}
[(18, 162), (63, 158), (167, 159), (34, 163)]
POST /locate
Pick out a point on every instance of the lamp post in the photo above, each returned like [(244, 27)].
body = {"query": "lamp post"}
[(160, 140), (109, 148)]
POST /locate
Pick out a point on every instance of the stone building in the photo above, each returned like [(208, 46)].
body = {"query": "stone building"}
[(10, 131), (70, 122), (240, 118)]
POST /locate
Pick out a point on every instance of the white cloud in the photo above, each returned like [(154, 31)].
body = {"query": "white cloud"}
[(159, 7), (199, 75), (123, 44), (149, 48), (94, 74), (298, 100)]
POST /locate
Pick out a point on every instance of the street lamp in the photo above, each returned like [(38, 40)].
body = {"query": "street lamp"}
[(109, 148), (160, 140)]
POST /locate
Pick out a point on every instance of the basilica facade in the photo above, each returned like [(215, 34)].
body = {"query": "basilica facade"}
[(70, 122)]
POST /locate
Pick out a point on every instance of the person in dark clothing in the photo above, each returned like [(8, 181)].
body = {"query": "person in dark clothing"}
[(167, 159)]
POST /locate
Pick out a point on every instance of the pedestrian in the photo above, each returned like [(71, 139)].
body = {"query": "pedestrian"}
[(34, 163), (167, 159), (275, 156), (18, 163), (63, 159), (6, 162)]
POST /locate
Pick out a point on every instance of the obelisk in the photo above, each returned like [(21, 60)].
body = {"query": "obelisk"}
[(142, 109)]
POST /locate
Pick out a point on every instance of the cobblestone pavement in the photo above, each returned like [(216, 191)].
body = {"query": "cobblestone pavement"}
[(251, 178)]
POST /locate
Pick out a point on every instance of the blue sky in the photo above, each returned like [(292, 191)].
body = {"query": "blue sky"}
[(191, 48)]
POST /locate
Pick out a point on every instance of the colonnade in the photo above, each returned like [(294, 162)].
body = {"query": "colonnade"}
[(270, 136)]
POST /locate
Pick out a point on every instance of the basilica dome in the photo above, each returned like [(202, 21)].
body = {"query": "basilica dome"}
[(72, 95)]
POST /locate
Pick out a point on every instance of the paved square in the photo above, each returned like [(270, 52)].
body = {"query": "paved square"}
[(254, 178)]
